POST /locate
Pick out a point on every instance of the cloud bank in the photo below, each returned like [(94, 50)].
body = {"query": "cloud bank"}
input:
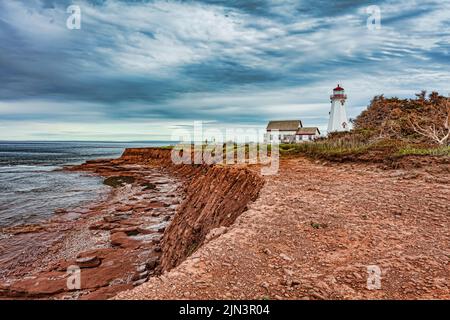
[(136, 69)]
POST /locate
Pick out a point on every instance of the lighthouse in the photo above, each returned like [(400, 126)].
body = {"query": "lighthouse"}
[(338, 117)]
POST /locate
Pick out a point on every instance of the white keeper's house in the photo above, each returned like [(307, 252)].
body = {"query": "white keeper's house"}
[(290, 131)]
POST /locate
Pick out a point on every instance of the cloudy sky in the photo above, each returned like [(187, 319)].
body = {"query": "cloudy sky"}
[(136, 70)]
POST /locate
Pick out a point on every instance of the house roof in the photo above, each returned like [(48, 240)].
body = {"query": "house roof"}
[(308, 131), (284, 125)]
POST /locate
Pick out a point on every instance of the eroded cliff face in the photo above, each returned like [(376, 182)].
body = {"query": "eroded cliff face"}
[(155, 156), (214, 197)]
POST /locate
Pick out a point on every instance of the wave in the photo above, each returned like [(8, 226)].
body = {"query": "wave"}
[(27, 168)]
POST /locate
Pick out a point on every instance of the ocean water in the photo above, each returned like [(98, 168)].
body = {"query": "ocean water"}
[(32, 187)]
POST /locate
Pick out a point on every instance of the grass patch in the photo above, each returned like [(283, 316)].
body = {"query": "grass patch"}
[(337, 145), (323, 149), (356, 146), (417, 151)]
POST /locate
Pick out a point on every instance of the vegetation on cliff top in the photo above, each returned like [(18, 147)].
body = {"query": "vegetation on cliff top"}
[(425, 120), (388, 128)]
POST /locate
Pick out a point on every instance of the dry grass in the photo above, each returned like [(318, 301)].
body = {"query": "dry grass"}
[(355, 146)]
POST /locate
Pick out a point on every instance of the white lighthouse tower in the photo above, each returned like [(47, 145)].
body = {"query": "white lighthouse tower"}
[(338, 117)]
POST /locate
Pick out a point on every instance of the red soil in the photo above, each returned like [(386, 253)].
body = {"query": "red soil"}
[(312, 233)]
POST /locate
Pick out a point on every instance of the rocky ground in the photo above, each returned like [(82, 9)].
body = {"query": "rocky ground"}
[(312, 234)]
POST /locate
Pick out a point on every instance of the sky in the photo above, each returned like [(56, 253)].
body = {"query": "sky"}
[(138, 70)]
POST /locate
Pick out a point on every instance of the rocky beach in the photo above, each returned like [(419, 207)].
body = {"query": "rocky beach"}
[(114, 241)]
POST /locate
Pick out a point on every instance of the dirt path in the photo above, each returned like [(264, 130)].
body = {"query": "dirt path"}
[(314, 231)]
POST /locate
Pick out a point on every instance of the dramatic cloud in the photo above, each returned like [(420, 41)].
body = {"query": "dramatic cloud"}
[(137, 69)]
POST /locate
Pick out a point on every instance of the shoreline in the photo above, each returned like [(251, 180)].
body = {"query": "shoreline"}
[(127, 222), (146, 226), (34, 194), (307, 233)]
